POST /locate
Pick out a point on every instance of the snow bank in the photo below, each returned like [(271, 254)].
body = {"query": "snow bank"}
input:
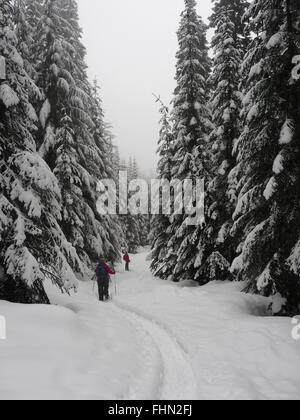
[(235, 349), (83, 350)]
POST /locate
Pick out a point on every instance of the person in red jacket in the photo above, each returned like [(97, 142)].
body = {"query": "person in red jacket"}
[(127, 261), (102, 272)]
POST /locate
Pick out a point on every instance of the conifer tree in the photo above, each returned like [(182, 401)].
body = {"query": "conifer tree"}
[(229, 43), (160, 224), (191, 128), (142, 220), (132, 222), (69, 140), (267, 216), (32, 244), (135, 169), (116, 165)]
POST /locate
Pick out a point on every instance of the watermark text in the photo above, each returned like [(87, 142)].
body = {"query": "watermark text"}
[(160, 196)]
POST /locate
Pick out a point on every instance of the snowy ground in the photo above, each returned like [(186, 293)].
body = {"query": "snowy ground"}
[(156, 340)]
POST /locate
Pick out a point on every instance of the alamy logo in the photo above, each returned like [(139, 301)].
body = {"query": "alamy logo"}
[(2, 328), (175, 197), (296, 329)]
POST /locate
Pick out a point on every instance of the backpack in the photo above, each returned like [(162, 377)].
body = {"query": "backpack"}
[(101, 272)]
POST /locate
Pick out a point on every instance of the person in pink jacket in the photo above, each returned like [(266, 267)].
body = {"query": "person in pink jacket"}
[(102, 272), (126, 258)]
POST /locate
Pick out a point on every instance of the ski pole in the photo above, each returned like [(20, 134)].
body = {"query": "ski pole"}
[(109, 292), (94, 281), (113, 265), (116, 292)]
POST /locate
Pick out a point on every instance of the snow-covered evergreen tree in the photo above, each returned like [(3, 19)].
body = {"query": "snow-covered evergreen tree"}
[(135, 169), (31, 242), (142, 220), (160, 224), (133, 223), (229, 43), (112, 235), (267, 215), (191, 128), (70, 140)]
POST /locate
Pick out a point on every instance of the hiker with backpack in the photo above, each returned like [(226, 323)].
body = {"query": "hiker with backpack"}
[(103, 276), (127, 261)]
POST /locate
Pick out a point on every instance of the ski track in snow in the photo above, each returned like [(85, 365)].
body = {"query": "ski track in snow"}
[(170, 376), (177, 381)]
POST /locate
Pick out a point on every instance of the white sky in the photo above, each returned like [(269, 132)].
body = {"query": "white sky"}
[(131, 46)]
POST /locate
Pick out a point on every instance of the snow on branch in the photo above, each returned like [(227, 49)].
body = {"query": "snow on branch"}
[(8, 96)]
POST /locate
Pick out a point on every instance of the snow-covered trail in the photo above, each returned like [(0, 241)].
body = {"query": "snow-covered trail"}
[(227, 346), (166, 370), (177, 379), (155, 340)]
